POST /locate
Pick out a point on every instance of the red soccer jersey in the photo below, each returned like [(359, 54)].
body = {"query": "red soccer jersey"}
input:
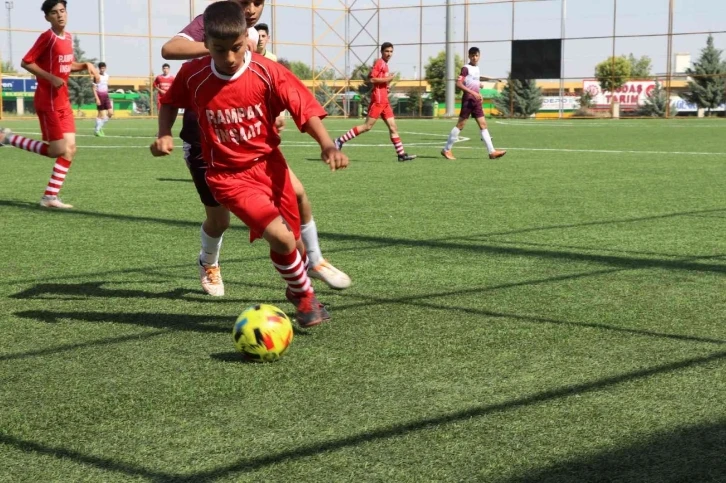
[(163, 82), (54, 55), (237, 113), (380, 91)]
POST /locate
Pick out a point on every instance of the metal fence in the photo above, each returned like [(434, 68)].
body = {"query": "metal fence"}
[(333, 38)]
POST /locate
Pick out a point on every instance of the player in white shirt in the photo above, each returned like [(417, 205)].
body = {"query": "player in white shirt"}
[(103, 101), (471, 106)]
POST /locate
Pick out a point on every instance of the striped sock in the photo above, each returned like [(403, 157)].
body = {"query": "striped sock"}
[(398, 145), (349, 135), (27, 144), (292, 269), (60, 170)]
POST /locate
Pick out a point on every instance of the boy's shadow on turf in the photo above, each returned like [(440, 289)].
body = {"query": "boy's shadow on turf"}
[(178, 322)]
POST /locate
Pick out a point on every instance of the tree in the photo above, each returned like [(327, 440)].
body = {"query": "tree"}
[(414, 100), (613, 73), (8, 68), (301, 70), (708, 79), (640, 68), (80, 88), (436, 74), (327, 98), (656, 103), (519, 98), (360, 69)]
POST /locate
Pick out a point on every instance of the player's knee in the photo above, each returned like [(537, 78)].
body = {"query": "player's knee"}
[(70, 151), (218, 221)]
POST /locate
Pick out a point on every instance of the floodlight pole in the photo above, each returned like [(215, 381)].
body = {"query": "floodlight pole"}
[(102, 31), (9, 6), (563, 19), (450, 58)]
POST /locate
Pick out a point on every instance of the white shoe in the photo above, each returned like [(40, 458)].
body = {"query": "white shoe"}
[(333, 277), (54, 202), (211, 278), (5, 134)]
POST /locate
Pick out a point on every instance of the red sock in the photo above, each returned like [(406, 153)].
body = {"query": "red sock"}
[(398, 145), (292, 269), (27, 144), (60, 169), (349, 135)]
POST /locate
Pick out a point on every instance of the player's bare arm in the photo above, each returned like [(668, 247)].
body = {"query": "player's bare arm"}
[(164, 144), (37, 71), (329, 153), (180, 48)]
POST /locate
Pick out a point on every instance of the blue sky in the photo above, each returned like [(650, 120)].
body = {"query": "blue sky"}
[(295, 27)]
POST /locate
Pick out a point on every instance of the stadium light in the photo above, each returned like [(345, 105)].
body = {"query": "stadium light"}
[(9, 6)]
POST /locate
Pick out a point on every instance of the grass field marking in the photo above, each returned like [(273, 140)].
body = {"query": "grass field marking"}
[(611, 123)]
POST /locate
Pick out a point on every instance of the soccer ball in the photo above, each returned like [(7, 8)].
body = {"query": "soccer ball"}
[(262, 333)]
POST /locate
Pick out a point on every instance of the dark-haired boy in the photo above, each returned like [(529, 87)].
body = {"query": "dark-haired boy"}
[(189, 44), (162, 83), (237, 95), (380, 106), (104, 105), (470, 83), (51, 61)]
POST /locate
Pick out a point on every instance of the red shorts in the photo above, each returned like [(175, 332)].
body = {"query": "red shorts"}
[(54, 124), (258, 195), (377, 110)]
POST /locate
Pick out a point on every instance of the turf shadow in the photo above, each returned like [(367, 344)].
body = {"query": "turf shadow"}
[(94, 289), (367, 437), (713, 442), (175, 180), (689, 454), (449, 243)]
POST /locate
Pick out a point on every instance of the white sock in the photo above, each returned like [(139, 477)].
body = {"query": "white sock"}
[(487, 140), (209, 255), (310, 240), (99, 124), (104, 121), (453, 136)]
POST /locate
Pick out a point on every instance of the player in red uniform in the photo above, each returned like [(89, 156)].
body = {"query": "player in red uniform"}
[(380, 77), (162, 83), (237, 95), (189, 44), (51, 61)]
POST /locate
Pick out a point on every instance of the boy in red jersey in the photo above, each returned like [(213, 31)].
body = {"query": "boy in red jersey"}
[(237, 95), (51, 61), (162, 83), (189, 44), (380, 77)]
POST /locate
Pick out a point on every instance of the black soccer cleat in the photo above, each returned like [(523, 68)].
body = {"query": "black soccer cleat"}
[(406, 157)]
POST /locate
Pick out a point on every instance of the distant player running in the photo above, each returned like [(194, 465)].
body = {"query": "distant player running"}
[(103, 101), (51, 61), (470, 82), (380, 77)]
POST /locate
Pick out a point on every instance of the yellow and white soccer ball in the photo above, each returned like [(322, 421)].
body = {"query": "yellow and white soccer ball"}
[(262, 333)]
